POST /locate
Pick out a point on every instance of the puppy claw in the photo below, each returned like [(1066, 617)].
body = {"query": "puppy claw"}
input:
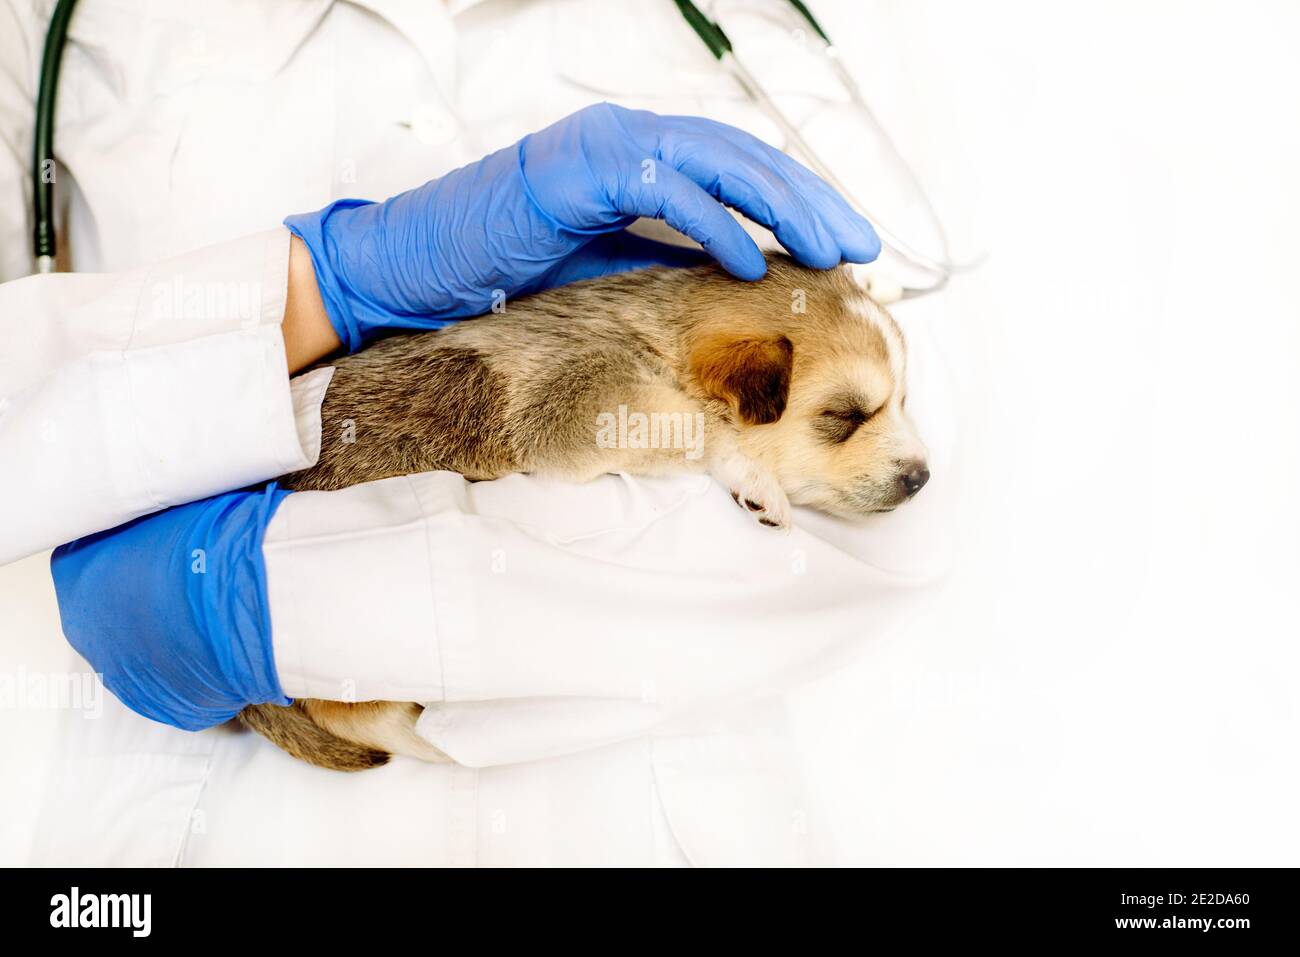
[(767, 504), (754, 489)]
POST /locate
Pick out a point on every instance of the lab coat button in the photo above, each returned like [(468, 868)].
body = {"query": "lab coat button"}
[(432, 125)]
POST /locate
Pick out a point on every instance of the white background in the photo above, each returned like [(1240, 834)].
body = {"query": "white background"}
[(1109, 675)]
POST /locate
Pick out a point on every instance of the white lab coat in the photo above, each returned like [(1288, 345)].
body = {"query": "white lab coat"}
[(603, 661)]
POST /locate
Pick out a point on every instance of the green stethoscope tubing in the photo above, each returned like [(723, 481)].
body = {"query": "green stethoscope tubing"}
[(719, 45), (44, 240)]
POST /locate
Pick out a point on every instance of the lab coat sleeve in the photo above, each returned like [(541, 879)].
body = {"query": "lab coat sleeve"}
[(123, 394), (538, 618)]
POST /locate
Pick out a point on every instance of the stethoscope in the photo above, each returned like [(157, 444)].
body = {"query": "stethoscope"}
[(44, 241), (938, 270)]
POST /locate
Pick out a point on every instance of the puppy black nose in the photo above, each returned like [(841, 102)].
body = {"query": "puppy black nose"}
[(914, 477)]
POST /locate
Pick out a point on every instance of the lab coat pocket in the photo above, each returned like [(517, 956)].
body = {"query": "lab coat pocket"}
[(164, 106), (122, 810), (736, 799), (141, 47), (665, 61), (121, 791)]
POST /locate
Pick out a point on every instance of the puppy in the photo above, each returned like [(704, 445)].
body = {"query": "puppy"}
[(790, 389)]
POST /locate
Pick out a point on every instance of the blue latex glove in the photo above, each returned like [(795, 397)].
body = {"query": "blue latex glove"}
[(552, 209), (171, 609)]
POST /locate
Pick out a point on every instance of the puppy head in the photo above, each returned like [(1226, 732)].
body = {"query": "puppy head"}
[(814, 373)]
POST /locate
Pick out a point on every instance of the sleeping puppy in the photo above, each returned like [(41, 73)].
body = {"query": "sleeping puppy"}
[(787, 390)]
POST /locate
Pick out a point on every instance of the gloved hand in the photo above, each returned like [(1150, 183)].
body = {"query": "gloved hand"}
[(552, 209), (171, 608)]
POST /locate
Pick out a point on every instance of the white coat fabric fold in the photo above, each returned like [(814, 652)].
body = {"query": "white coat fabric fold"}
[(538, 618)]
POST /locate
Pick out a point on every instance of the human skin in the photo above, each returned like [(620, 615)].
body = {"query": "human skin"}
[(308, 335)]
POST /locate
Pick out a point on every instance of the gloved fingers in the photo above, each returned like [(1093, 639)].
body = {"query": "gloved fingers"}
[(851, 232), (854, 232), (624, 251), (689, 209), (759, 192), (614, 253)]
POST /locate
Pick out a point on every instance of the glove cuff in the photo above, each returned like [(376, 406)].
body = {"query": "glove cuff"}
[(312, 229), (229, 602), (171, 609)]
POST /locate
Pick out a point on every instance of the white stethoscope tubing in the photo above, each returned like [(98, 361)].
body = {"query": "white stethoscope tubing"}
[(941, 270)]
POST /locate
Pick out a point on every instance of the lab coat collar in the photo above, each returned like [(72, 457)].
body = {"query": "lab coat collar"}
[(427, 25)]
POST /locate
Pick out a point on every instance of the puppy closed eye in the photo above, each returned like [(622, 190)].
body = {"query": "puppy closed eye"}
[(838, 425)]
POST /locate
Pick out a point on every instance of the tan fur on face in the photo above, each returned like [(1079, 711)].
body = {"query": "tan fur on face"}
[(798, 380), (844, 347), (848, 378)]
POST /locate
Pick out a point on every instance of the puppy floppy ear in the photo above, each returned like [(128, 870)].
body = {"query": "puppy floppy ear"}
[(750, 373)]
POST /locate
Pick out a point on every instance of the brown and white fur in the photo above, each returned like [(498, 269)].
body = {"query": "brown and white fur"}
[(798, 380)]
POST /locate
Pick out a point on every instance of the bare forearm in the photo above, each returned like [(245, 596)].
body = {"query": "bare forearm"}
[(308, 335)]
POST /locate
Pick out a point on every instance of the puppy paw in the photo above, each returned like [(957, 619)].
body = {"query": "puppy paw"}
[(762, 497)]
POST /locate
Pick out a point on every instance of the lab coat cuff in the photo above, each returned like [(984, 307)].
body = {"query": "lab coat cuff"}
[(234, 286), (242, 423), (362, 584)]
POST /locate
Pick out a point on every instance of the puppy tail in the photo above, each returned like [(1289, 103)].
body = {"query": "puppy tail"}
[(292, 729)]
